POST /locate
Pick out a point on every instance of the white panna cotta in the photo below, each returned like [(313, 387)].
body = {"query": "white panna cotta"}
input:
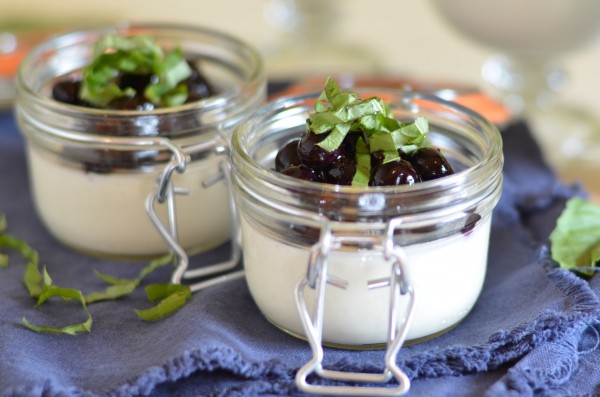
[(104, 213), (441, 226), (446, 274)]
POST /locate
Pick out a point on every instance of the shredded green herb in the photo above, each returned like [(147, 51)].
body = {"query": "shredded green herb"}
[(114, 54), (51, 290), (171, 297), (3, 257), (120, 287), (41, 287), (3, 223), (339, 112)]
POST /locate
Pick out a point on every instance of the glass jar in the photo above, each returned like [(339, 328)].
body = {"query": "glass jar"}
[(325, 255), (92, 170)]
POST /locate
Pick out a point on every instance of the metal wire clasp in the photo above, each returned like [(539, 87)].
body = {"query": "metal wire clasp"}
[(316, 278), (165, 193)]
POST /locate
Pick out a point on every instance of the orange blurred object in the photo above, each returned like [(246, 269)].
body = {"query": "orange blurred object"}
[(13, 48), (22, 43)]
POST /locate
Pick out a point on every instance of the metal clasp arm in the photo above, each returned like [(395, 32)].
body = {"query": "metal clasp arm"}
[(317, 278)]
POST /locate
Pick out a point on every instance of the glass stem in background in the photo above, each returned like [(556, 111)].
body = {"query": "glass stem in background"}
[(569, 136)]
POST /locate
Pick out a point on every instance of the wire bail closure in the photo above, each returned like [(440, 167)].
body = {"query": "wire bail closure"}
[(316, 278), (165, 193)]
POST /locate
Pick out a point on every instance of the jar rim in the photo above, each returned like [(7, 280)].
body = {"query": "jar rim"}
[(254, 77)]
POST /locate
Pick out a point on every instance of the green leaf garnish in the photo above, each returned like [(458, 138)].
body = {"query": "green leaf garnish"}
[(120, 287), (32, 277), (33, 280), (111, 292), (363, 164), (137, 55), (3, 224), (41, 287), (384, 141), (340, 112), (171, 296), (66, 294), (576, 236)]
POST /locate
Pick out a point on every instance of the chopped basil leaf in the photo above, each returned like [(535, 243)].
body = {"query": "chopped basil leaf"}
[(136, 55), (155, 264), (3, 224), (363, 164), (382, 141), (120, 287), (69, 329), (16, 244), (111, 292), (32, 278), (411, 134), (339, 112), (171, 296), (41, 287), (335, 137), (576, 236), (51, 290)]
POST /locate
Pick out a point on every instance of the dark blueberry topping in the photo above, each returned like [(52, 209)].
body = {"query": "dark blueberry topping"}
[(197, 85), (376, 160), (339, 166), (430, 163), (341, 172), (67, 91), (398, 172), (130, 103), (287, 156), (138, 82), (302, 172), (314, 156)]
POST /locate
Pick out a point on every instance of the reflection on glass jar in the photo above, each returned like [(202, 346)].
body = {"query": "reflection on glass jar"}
[(91, 170), (442, 226)]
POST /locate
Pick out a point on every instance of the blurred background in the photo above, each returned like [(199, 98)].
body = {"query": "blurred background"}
[(540, 58)]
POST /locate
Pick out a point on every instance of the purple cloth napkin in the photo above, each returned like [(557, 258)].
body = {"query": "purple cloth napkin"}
[(534, 330)]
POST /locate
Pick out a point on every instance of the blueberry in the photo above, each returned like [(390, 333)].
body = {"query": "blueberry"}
[(287, 156), (430, 163), (66, 91), (314, 156), (393, 173), (302, 172)]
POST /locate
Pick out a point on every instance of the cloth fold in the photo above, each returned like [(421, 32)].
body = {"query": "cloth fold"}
[(533, 331)]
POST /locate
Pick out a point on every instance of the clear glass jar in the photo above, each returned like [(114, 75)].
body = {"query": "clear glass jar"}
[(92, 170), (442, 226)]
